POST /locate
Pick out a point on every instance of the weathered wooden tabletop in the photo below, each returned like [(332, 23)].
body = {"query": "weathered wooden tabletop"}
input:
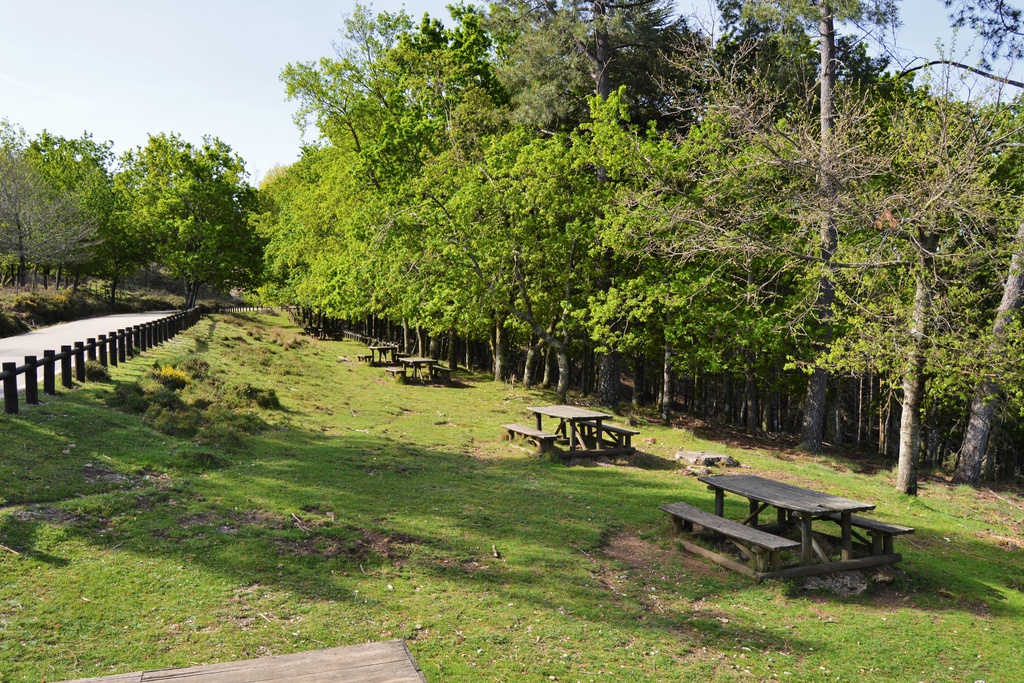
[(388, 662), (419, 360), (570, 413), (785, 496)]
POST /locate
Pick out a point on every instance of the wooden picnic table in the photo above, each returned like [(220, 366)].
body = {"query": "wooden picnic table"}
[(417, 363), (789, 500), (569, 416), (385, 351)]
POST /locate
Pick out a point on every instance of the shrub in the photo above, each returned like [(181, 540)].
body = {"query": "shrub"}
[(167, 399), (96, 372), (247, 422), (195, 367), (173, 422), (248, 394), (170, 376), (220, 437), (129, 396)]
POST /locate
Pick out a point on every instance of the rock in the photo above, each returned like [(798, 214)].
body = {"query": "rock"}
[(692, 471), (843, 583), (650, 440), (885, 576), (707, 459)]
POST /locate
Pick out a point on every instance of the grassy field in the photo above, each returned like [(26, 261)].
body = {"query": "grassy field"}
[(242, 491)]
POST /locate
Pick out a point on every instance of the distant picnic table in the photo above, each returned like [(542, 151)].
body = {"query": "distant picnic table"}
[(385, 352), (585, 431), (795, 506), (418, 364)]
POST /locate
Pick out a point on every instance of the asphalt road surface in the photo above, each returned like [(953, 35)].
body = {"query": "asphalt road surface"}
[(14, 349)]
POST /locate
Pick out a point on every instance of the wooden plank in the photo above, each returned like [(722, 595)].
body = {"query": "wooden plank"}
[(720, 559), (872, 524), (783, 495), (529, 431), (729, 528), (569, 412), (388, 662), (832, 567), (615, 429)]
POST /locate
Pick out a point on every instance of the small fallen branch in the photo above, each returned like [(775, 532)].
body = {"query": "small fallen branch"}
[(298, 523), (10, 550)]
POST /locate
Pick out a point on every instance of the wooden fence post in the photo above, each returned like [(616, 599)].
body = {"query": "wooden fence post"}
[(90, 348), (121, 343), (80, 361), (101, 346), (49, 381), (65, 367), (112, 347), (10, 387), (31, 381)]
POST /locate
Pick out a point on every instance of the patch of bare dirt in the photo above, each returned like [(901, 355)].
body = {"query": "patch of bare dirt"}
[(95, 474), (49, 515), (649, 559)]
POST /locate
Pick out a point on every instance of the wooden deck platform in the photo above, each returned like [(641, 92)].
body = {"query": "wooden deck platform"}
[(388, 662)]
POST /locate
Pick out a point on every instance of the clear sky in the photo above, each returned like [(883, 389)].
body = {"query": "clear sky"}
[(122, 69)]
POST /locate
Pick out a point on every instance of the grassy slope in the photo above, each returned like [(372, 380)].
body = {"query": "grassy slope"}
[(368, 511)]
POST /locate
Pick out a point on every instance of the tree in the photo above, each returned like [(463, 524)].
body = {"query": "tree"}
[(197, 207), (44, 218)]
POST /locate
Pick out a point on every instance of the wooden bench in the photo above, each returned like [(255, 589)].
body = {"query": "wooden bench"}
[(364, 357), (397, 372), (445, 374), (621, 437), (545, 442), (881, 533), (764, 548)]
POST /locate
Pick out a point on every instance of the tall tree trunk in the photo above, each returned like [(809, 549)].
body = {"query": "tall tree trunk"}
[(500, 350), (983, 406), (666, 383), (549, 361), (753, 412), (817, 385), (609, 378), (529, 367), (453, 343), (913, 371)]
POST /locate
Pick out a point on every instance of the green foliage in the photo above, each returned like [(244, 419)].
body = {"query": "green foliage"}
[(96, 372), (170, 377)]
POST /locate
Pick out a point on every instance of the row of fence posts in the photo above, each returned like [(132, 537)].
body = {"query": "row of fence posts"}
[(112, 348)]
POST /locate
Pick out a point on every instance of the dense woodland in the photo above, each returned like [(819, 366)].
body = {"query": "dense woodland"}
[(767, 227)]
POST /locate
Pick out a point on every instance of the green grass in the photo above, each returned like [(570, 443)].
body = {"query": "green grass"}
[(358, 510)]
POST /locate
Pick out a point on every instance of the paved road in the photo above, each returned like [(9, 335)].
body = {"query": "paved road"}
[(14, 349)]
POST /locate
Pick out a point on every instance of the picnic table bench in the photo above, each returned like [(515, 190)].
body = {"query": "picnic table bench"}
[(881, 533), (442, 373), (364, 358), (397, 372), (544, 441), (618, 437), (764, 548)]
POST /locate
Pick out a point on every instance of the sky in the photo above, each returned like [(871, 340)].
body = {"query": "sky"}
[(125, 69)]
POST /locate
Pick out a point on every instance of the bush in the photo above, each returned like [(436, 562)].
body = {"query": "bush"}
[(129, 396), (96, 372), (248, 394), (246, 422), (220, 437), (173, 422), (195, 367), (170, 376)]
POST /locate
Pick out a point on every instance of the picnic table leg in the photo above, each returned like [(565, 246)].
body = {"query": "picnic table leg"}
[(537, 415), (753, 512), (847, 523), (572, 435), (720, 502), (806, 547), (597, 441)]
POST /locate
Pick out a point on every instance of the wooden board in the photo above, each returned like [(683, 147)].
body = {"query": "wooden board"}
[(729, 528), (388, 662), (783, 495), (569, 412)]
